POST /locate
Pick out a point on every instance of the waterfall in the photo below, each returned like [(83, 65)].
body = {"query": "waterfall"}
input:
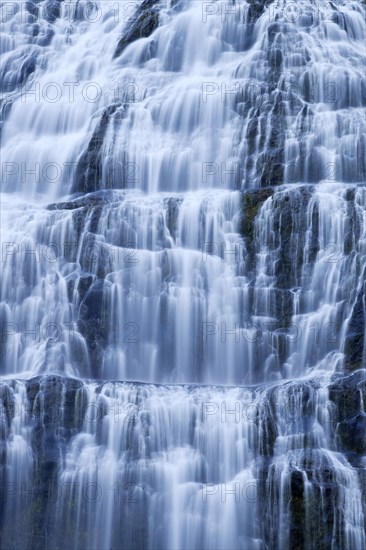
[(183, 295)]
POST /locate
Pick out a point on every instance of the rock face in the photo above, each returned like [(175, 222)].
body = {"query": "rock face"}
[(100, 198), (355, 352), (257, 7), (290, 249), (145, 21), (349, 394), (294, 478), (266, 104), (309, 479), (251, 203), (285, 240), (18, 67), (352, 433), (58, 406), (89, 168), (52, 10), (289, 225), (94, 324), (302, 491), (54, 407)]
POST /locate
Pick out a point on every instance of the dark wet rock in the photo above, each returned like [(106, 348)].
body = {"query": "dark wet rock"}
[(360, 176), (282, 306), (44, 38), (352, 434), (173, 205), (177, 5), (94, 323), (84, 284), (79, 284), (85, 223), (265, 113), (289, 225), (7, 402), (298, 510), (99, 198), (86, 247), (353, 223), (275, 59), (95, 256), (51, 11), (18, 66), (314, 238), (56, 401), (251, 204), (270, 164), (348, 393), (5, 329), (354, 349), (145, 21), (87, 11), (289, 209), (32, 8), (267, 422), (257, 7), (272, 173), (56, 407), (310, 467), (362, 483), (321, 521), (248, 15), (93, 219), (265, 136), (89, 170)]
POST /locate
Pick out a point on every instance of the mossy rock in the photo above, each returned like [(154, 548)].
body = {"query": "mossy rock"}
[(251, 204)]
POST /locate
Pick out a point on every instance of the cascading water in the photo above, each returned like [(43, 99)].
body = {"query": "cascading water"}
[(183, 300)]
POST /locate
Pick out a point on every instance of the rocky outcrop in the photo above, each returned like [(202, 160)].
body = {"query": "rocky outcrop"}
[(285, 243), (5, 107), (99, 198), (89, 169), (266, 103), (17, 67), (285, 491), (355, 345), (289, 225), (251, 204), (352, 433), (53, 408), (94, 324), (145, 21), (349, 395)]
